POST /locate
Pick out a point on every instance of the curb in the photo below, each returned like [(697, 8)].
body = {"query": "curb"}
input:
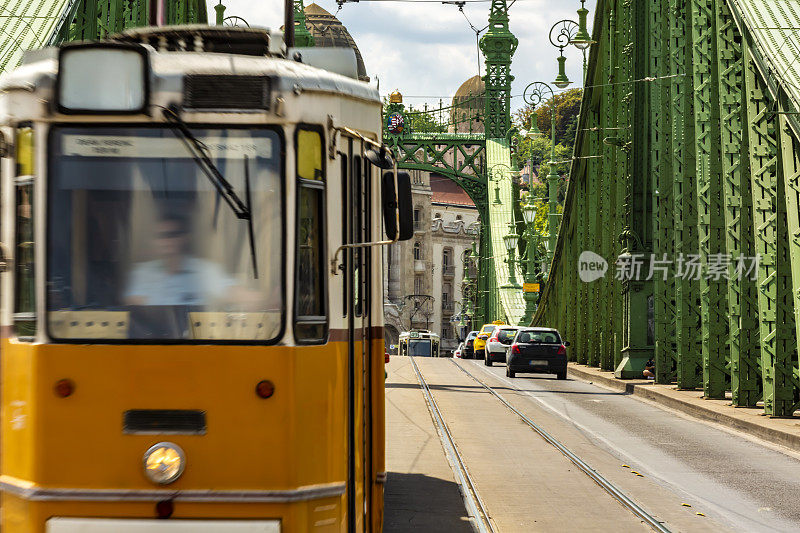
[(755, 429)]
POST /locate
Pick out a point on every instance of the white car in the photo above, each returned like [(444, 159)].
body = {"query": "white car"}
[(458, 351), (498, 344)]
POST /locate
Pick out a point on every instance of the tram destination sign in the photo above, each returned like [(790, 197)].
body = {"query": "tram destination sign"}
[(162, 147)]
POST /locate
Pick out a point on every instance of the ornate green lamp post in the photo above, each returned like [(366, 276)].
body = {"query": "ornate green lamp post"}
[(568, 32), (467, 287), (511, 240), (475, 310), (531, 255), (499, 172), (460, 325), (534, 95)]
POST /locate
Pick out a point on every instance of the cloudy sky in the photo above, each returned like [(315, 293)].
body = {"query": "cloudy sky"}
[(427, 49)]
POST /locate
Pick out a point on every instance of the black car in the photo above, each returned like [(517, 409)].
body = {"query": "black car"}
[(469, 346), (537, 350)]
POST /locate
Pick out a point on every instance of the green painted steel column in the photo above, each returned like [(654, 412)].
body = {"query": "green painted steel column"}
[(592, 243), (619, 176), (776, 353), (302, 37), (710, 216), (579, 292), (790, 173), (687, 304), (498, 46), (661, 168), (742, 298), (607, 188), (637, 347)]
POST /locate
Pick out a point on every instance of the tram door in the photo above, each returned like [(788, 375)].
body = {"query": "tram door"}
[(357, 184)]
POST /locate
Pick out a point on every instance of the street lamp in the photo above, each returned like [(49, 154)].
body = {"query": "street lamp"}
[(582, 40), (499, 172), (561, 35), (534, 95), (460, 325), (531, 237), (511, 240), (568, 32)]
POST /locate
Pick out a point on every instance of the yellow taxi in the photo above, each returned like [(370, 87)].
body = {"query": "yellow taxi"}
[(483, 335)]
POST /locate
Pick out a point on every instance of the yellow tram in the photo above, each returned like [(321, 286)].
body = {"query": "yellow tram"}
[(186, 346)]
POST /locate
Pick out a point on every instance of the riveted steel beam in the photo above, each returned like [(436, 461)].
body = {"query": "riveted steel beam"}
[(737, 198), (776, 320), (661, 171), (710, 217), (687, 291)]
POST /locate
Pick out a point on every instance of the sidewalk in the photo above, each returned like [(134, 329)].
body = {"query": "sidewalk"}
[(752, 421)]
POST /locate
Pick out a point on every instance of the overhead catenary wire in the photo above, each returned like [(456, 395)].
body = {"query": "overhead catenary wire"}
[(645, 79)]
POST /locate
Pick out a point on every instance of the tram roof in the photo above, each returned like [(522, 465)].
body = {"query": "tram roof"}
[(168, 68)]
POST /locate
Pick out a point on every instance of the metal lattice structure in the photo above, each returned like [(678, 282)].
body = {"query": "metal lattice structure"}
[(25, 25), (89, 20), (687, 159), (447, 142)]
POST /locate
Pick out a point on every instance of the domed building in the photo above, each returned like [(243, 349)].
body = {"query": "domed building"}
[(328, 31), (468, 107)]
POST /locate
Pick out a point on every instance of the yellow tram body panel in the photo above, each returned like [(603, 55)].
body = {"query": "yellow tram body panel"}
[(292, 441)]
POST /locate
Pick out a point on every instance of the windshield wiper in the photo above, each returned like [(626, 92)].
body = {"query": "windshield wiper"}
[(202, 158)]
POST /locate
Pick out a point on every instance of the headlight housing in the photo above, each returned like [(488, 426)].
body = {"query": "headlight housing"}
[(164, 463), (123, 88)]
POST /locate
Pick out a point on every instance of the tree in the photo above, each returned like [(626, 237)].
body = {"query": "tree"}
[(567, 105), (537, 150)]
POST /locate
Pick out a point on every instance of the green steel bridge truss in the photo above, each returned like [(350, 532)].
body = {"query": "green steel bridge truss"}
[(480, 162), (687, 158), (28, 24)]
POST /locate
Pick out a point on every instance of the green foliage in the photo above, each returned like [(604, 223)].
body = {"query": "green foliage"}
[(424, 123), (567, 106), (538, 150)]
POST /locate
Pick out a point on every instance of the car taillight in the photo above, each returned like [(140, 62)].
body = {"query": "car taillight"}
[(386, 357), (562, 350), (515, 348), (493, 339)]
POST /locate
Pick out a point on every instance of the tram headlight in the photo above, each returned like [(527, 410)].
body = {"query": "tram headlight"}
[(164, 463), (103, 78)]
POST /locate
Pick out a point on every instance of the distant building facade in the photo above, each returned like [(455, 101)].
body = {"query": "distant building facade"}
[(422, 279)]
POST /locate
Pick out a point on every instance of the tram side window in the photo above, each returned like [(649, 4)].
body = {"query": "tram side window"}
[(358, 233), (310, 302), (344, 230), (24, 293)]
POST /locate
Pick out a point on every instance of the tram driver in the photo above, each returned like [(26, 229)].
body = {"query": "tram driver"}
[(175, 277)]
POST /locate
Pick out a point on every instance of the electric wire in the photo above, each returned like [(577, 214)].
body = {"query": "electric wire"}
[(645, 79)]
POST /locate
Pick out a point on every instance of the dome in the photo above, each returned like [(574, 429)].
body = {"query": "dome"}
[(328, 31), (472, 87), (468, 103)]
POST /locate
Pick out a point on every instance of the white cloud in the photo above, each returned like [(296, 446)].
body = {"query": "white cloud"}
[(428, 49)]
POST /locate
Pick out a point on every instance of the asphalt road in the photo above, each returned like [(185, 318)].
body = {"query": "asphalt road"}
[(729, 478)]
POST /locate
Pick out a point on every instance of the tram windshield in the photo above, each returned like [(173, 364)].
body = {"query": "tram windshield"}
[(420, 348), (142, 246)]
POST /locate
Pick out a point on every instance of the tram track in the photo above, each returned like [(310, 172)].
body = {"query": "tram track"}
[(475, 506), (606, 485)]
